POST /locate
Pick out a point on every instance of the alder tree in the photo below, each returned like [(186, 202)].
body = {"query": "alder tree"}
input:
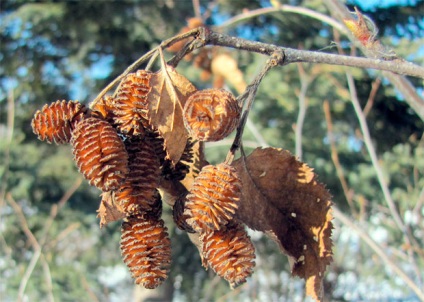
[(143, 147)]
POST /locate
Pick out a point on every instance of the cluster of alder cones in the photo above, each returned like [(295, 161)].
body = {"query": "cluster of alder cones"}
[(128, 143)]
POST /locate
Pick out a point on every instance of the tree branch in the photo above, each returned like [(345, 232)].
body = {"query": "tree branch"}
[(401, 83), (287, 9), (379, 171), (335, 157), (295, 55)]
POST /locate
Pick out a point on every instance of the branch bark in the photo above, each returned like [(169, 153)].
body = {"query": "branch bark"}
[(295, 55)]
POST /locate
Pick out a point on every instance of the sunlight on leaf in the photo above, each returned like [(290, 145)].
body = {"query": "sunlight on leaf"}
[(282, 198), (169, 93)]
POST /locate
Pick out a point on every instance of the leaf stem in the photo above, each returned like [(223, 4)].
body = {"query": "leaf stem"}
[(247, 98), (145, 57)]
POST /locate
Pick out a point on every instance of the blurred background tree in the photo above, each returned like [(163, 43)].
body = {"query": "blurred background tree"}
[(54, 50)]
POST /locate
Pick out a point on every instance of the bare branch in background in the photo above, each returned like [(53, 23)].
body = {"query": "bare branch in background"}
[(286, 9), (196, 8), (380, 174), (371, 98), (341, 12), (379, 251), (303, 105), (35, 257), (9, 137), (335, 157), (38, 245)]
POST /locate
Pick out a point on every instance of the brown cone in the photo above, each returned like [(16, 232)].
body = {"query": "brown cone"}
[(229, 252), (146, 250), (211, 114), (100, 154), (55, 122), (130, 104), (213, 198), (137, 193)]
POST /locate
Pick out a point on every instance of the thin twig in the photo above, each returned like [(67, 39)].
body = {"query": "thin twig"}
[(8, 142), (379, 171), (144, 58), (228, 142), (335, 157), (373, 154), (295, 55), (196, 8), (371, 98), (256, 134), (34, 242), (379, 251), (38, 245), (303, 105), (247, 98), (283, 8)]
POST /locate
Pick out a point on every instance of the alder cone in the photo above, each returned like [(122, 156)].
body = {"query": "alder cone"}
[(55, 122), (131, 105), (146, 250), (211, 114), (213, 199), (100, 154), (229, 252), (137, 192)]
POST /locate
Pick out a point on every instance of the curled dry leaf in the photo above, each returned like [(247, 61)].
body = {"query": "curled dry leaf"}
[(103, 109), (198, 161), (100, 154), (282, 197), (229, 252), (178, 215), (55, 122), (109, 210), (166, 100)]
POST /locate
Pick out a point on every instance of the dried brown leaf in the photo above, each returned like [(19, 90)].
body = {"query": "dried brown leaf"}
[(109, 210), (282, 197), (169, 93), (197, 163)]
